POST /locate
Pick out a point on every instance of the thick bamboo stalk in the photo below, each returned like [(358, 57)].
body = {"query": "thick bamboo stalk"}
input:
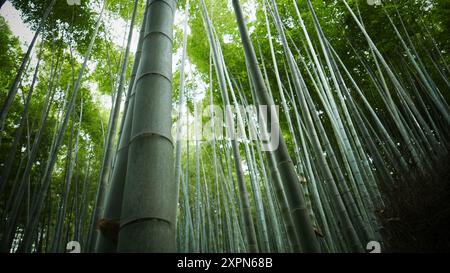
[(148, 213)]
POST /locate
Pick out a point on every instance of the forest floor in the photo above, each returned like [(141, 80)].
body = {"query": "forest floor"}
[(417, 218)]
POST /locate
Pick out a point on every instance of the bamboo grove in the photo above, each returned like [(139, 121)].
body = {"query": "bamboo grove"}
[(121, 146)]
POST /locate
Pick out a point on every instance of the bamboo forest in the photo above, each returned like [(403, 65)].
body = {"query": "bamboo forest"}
[(224, 126)]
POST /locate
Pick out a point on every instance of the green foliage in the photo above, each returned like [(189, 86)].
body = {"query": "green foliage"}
[(10, 57)]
